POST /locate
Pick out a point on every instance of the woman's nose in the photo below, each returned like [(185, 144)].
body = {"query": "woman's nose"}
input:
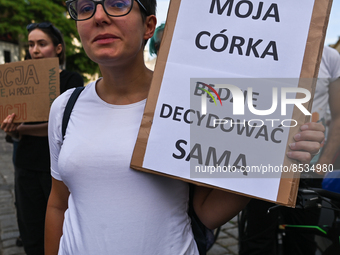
[(35, 49), (100, 16)]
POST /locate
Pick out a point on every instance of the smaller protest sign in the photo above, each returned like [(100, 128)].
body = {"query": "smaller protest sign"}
[(28, 89)]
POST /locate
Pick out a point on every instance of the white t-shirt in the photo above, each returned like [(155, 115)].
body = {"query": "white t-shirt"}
[(329, 72), (113, 209)]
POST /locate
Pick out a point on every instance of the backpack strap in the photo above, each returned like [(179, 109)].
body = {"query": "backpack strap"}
[(68, 109)]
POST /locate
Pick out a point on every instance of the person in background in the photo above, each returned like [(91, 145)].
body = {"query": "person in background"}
[(15, 142), (327, 93), (155, 41), (98, 204), (331, 149), (32, 160), (259, 237)]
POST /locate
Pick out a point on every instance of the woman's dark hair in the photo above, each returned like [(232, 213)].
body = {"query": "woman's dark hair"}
[(53, 33), (150, 6)]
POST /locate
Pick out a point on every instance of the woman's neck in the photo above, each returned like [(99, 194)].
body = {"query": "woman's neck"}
[(125, 85)]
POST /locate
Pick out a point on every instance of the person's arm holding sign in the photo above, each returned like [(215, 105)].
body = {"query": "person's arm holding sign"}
[(33, 130), (18, 129), (9, 127), (215, 207)]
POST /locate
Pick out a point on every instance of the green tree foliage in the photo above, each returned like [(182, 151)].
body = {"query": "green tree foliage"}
[(15, 15)]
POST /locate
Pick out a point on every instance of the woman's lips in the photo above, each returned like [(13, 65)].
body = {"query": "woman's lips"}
[(105, 38)]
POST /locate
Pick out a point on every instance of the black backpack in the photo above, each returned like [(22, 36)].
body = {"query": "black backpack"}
[(204, 237)]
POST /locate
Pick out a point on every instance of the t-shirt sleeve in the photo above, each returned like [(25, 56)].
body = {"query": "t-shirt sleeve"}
[(333, 61), (337, 68), (54, 131)]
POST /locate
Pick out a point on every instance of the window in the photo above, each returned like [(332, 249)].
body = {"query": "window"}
[(7, 55)]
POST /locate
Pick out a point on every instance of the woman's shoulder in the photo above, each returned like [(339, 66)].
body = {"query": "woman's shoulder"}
[(66, 73), (70, 79), (59, 104), (61, 100)]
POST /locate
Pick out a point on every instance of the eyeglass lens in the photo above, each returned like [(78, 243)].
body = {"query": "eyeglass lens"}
[(84, 9)]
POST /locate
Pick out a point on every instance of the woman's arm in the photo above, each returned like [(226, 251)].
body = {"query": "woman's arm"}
[(215, 207), (17, 129), (56, 207), (34, 130), (9, 127)]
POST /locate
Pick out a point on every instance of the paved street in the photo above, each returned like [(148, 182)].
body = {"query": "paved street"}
[(225, 245), (8, 223), (227, 242)]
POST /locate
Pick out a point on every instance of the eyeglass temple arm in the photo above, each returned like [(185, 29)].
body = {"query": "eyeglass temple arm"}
[(142, 6)]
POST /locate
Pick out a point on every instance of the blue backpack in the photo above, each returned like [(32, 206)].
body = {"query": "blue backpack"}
[(331, 181)]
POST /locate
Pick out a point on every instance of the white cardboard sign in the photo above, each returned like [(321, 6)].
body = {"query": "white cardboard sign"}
[(255, 46)]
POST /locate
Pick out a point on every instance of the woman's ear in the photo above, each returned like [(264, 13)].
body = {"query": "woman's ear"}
[(150, 26), (59, 48)]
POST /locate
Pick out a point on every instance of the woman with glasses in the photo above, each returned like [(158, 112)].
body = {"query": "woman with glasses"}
[(98, 204), (32, 162)]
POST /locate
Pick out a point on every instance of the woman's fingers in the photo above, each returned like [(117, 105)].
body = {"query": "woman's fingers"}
[(316, 126), (302, 156), (303, 151), (307, 142), (311, 131), (307, 146), (309, 135), (7, 125)]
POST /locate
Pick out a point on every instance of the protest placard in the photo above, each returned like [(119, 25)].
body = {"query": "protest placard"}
[(233, 83), (28, 88)]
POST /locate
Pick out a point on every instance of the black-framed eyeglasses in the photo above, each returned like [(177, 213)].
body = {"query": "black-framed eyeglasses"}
[(48, 25), (85, 9)]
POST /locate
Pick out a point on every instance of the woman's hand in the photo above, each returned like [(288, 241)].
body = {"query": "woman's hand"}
[(9, 127), (307, 142)]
